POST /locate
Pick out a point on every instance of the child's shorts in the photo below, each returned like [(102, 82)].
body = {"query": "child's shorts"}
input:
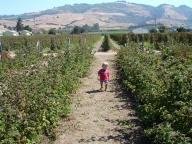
[(104, 81)]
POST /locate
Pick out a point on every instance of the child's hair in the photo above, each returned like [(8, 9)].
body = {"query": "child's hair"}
[(105, 65)]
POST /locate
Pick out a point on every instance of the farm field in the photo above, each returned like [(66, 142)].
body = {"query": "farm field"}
[(161, 83), (49, 92), (96, 72), (35, 85)]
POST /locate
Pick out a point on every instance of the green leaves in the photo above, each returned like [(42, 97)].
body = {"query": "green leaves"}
[(162, 86), (35, 90)]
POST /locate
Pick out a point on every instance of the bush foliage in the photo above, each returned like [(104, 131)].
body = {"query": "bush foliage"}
[(162, 86), (35, 89)]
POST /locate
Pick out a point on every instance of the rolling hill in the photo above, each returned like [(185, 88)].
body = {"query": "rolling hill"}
[(112, 15)]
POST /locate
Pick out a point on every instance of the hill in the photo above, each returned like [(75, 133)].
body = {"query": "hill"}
[(109, 16)]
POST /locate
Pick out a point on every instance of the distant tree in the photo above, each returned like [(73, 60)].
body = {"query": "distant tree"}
[(96, 27), (93, 28), (181, 29), (10, 28), (5, 26), (162, 29), (52, 31), (19, 25), (153, 30), (27, 27), (77, 30), (86, 28)]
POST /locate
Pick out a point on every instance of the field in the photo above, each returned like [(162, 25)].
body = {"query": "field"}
[(161, 83), (35, 85), (154, 105)]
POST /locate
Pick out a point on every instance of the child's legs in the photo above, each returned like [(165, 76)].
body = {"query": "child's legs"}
[(106, 85), (101, 82)]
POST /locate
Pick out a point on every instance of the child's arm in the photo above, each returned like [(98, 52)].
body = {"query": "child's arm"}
[(98, 77)]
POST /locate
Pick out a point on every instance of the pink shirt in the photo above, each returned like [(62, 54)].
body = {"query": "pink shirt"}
[(103, 74)]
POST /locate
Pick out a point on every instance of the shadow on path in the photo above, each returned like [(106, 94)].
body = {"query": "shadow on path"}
[(94, 91)]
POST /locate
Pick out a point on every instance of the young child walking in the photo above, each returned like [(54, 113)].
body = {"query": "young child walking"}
[(103, 75)]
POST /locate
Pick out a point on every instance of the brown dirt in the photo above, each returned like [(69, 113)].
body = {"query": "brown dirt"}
[(101, 117)]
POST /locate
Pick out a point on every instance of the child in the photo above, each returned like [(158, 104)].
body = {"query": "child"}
[(103, 75)]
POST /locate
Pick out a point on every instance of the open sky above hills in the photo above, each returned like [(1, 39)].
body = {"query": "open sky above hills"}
[(9, 7)]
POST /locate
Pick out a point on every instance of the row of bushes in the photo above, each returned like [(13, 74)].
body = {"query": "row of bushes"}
[(179, 43), (46, 41), (154, 38), (34, 96), (30, 50), (106, 43), (162, 86)]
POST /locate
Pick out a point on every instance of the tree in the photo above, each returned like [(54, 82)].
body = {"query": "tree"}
[(181, 29), (10, 28), (77, 30), (86, 27), (19, 26), (162, 29), (153, 30), (96, 27), (27, 27), (52, 31)]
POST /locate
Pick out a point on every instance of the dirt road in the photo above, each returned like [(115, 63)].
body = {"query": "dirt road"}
[(101, 117)]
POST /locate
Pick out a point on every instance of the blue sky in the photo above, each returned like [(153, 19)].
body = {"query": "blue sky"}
[(22, 6)]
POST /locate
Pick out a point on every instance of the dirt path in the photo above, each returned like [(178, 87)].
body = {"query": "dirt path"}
[(101, 117)]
